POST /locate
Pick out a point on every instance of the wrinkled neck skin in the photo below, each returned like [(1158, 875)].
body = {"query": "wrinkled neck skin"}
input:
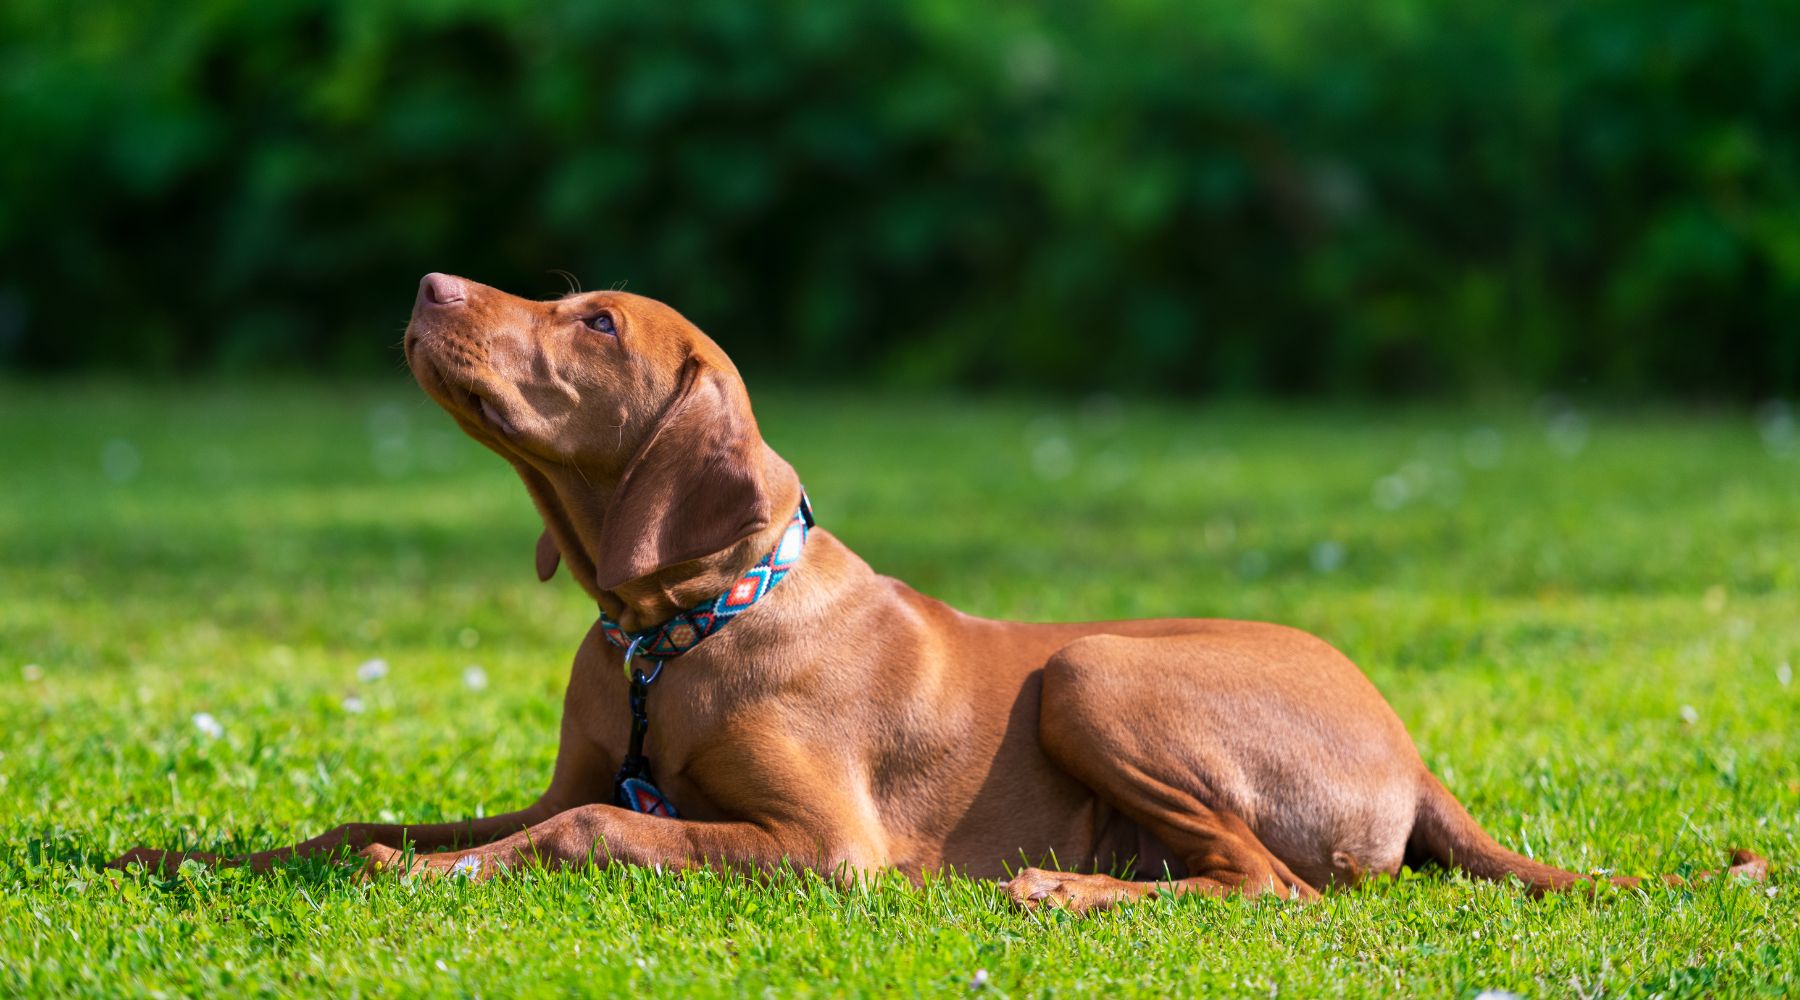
[(573, 504), (651, 600)]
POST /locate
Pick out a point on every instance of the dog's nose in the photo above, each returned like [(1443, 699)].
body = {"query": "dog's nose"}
[(441, 290)]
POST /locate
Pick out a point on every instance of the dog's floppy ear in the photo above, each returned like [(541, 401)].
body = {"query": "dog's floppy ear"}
[(697, 484), (547, 556)]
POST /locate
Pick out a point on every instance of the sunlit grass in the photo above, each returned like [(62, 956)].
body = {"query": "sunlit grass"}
[(1590, 621)]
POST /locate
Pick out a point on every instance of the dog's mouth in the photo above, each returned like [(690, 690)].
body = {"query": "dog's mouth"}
[(479, 409), (459, 396), (495, 419)]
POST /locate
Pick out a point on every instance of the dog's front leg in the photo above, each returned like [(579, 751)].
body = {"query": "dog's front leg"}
[(355, 837), (606, 834), (579, 776)]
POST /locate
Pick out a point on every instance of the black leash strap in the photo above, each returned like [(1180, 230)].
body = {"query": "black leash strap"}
[(636, 766)]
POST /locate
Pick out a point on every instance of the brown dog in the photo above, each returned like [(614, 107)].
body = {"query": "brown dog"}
[(846, 722)]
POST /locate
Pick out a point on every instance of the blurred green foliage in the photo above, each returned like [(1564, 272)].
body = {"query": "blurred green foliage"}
[(1397, 195)]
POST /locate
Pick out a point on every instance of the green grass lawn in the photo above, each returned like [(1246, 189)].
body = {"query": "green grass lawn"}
[(1590, 623)]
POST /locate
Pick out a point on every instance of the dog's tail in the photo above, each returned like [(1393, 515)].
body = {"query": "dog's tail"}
[(1444, 832)]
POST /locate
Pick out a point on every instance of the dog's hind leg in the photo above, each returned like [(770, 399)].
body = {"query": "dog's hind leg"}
[(1222, 856), (1258, 757)]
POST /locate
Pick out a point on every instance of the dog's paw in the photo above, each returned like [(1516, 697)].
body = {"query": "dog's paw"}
[(150, 858), (1071, 891), (1750, 865), (162, 862), (473, 866), (378, 859)]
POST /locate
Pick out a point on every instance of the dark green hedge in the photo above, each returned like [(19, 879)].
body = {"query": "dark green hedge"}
[(1414, 195)]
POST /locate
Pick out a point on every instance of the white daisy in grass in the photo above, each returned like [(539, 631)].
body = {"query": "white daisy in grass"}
[(475, 678), (372, 670), (208, 725)]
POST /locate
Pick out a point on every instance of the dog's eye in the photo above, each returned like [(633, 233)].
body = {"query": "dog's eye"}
[(601, 323)]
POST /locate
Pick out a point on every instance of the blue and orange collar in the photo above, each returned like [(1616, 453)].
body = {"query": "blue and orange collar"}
[(688, 628)]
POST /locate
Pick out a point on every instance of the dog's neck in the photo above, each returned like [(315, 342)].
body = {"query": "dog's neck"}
[(650, 600), (575, 514)]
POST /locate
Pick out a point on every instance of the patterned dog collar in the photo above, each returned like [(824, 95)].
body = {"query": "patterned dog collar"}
[(686, 630)]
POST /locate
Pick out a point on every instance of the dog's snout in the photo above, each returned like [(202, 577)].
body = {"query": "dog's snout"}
[(441, 290)]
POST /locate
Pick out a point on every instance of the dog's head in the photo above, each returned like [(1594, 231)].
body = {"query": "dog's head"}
[(630, 427)]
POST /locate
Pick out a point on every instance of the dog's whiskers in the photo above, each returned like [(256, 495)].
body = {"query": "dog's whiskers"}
[(579, 471), (574, 283)]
